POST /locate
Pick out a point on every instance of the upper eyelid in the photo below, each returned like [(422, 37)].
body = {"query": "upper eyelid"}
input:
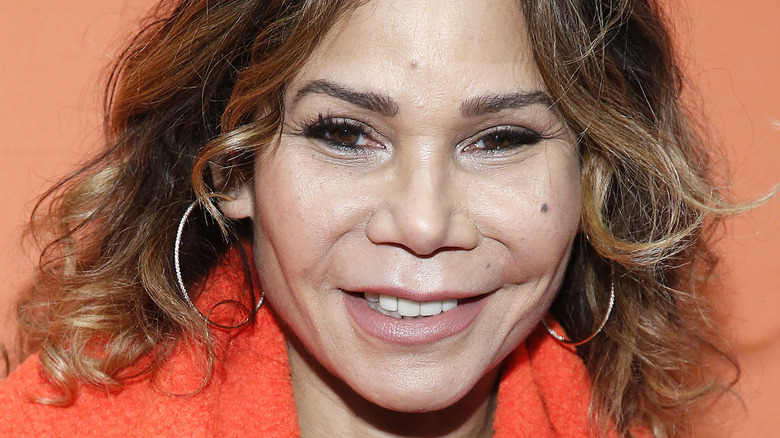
[(506, 127), (368, 129), (502, 128), (333, 120), (364, 127)]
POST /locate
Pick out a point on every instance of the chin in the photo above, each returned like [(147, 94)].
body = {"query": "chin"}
[(427, 390), (420, 401)]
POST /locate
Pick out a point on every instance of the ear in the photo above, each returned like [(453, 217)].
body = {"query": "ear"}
[(239, 199), (241, 203)]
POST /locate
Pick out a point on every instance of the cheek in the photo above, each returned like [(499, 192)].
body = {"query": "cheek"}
[(301, 214), (284, 218), (533, 213), (288, 236)]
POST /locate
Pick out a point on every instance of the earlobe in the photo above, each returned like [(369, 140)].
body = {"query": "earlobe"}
[(236, 199), (239, 202)]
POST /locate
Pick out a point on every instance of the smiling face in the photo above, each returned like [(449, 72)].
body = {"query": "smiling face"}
[(420, 162)]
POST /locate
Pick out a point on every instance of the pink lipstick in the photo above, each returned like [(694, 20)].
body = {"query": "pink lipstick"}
[(412, 331)]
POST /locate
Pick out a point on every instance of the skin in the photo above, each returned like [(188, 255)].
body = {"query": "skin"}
[(417, 199)]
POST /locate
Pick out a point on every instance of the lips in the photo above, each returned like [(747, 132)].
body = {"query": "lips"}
[(404, 321)]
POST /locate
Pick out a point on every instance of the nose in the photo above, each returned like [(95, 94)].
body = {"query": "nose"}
[(423, 210)]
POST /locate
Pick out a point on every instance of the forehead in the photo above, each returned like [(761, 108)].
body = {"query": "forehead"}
[(431, 48)]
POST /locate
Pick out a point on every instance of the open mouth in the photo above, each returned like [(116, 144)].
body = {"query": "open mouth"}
[(401, 308), (408, 322)]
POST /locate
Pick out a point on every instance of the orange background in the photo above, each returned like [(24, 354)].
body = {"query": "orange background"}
[(52, 61)]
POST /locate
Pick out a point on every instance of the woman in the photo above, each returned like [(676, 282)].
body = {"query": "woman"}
[(420, 183)]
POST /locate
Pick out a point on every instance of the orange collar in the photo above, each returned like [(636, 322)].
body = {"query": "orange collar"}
[(544, 389)]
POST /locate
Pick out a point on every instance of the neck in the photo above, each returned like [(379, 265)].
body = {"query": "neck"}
[(327, 406)]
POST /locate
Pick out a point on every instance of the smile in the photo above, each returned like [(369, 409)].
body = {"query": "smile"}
[(412, 322), (407, 309)]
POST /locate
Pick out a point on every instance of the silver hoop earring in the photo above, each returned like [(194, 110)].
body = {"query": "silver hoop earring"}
[(563, 340), (177, 268)]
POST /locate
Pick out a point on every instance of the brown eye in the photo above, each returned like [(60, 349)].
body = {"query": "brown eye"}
[(339, 133), (344, 136), (498, 141), (505, 138)]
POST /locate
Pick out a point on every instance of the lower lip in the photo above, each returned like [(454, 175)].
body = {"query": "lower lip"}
[(412, 331)]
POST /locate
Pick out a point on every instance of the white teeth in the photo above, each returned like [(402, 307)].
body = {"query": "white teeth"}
[(448, 305), (388, 303), (430, 308), (375, 306), (403, 308), (408, 307)]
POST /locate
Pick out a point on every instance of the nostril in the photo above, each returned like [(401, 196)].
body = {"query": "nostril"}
[(422, 235)]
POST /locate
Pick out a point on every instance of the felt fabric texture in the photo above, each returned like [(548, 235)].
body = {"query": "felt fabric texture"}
[(544, 389)]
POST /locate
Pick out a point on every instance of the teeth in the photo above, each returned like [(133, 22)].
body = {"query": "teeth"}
[(430, 308), (408, 307), (448, 305), (403, 308), (388, 303)]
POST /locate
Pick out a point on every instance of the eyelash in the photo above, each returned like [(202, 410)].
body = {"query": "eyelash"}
[(325, 128), (511, 137)]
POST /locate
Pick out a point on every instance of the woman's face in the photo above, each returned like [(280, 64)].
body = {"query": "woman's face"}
[(420, 165)]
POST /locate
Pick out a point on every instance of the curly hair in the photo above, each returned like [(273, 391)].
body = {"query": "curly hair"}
[(202, 87)]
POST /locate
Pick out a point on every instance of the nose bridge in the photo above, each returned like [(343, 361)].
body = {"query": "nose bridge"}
[(421, 208), (423, 205)]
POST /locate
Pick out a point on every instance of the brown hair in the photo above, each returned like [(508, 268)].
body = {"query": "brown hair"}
[(203, 85), (648, 207)]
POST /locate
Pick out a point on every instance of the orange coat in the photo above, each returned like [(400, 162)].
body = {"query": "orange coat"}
[(544, 391)]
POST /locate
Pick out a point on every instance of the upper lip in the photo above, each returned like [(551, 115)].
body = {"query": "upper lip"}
[(417, 295)]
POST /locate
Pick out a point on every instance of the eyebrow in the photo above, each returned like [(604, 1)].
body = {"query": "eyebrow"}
[(485, 104), (385, 105), (368, 100)]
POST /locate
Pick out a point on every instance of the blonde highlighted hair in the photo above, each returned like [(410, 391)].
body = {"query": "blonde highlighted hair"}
[(202, 86)]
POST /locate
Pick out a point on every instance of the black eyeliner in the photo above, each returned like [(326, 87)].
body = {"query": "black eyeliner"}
[(325, 126)]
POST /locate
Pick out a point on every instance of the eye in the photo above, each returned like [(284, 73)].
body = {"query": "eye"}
[(339, 133), (503, 139)]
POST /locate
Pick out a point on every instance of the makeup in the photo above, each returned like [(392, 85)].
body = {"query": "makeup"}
[(413, 331)]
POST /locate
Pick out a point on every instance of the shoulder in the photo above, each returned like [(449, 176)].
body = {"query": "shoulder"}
[(249, 391), (93, 412), (141, 407), (21, 414)]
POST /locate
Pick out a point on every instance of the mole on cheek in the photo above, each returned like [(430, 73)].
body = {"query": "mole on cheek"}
[(543, 208)]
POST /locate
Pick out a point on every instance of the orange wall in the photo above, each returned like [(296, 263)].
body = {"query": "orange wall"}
[(735, 50), (52, 55)]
